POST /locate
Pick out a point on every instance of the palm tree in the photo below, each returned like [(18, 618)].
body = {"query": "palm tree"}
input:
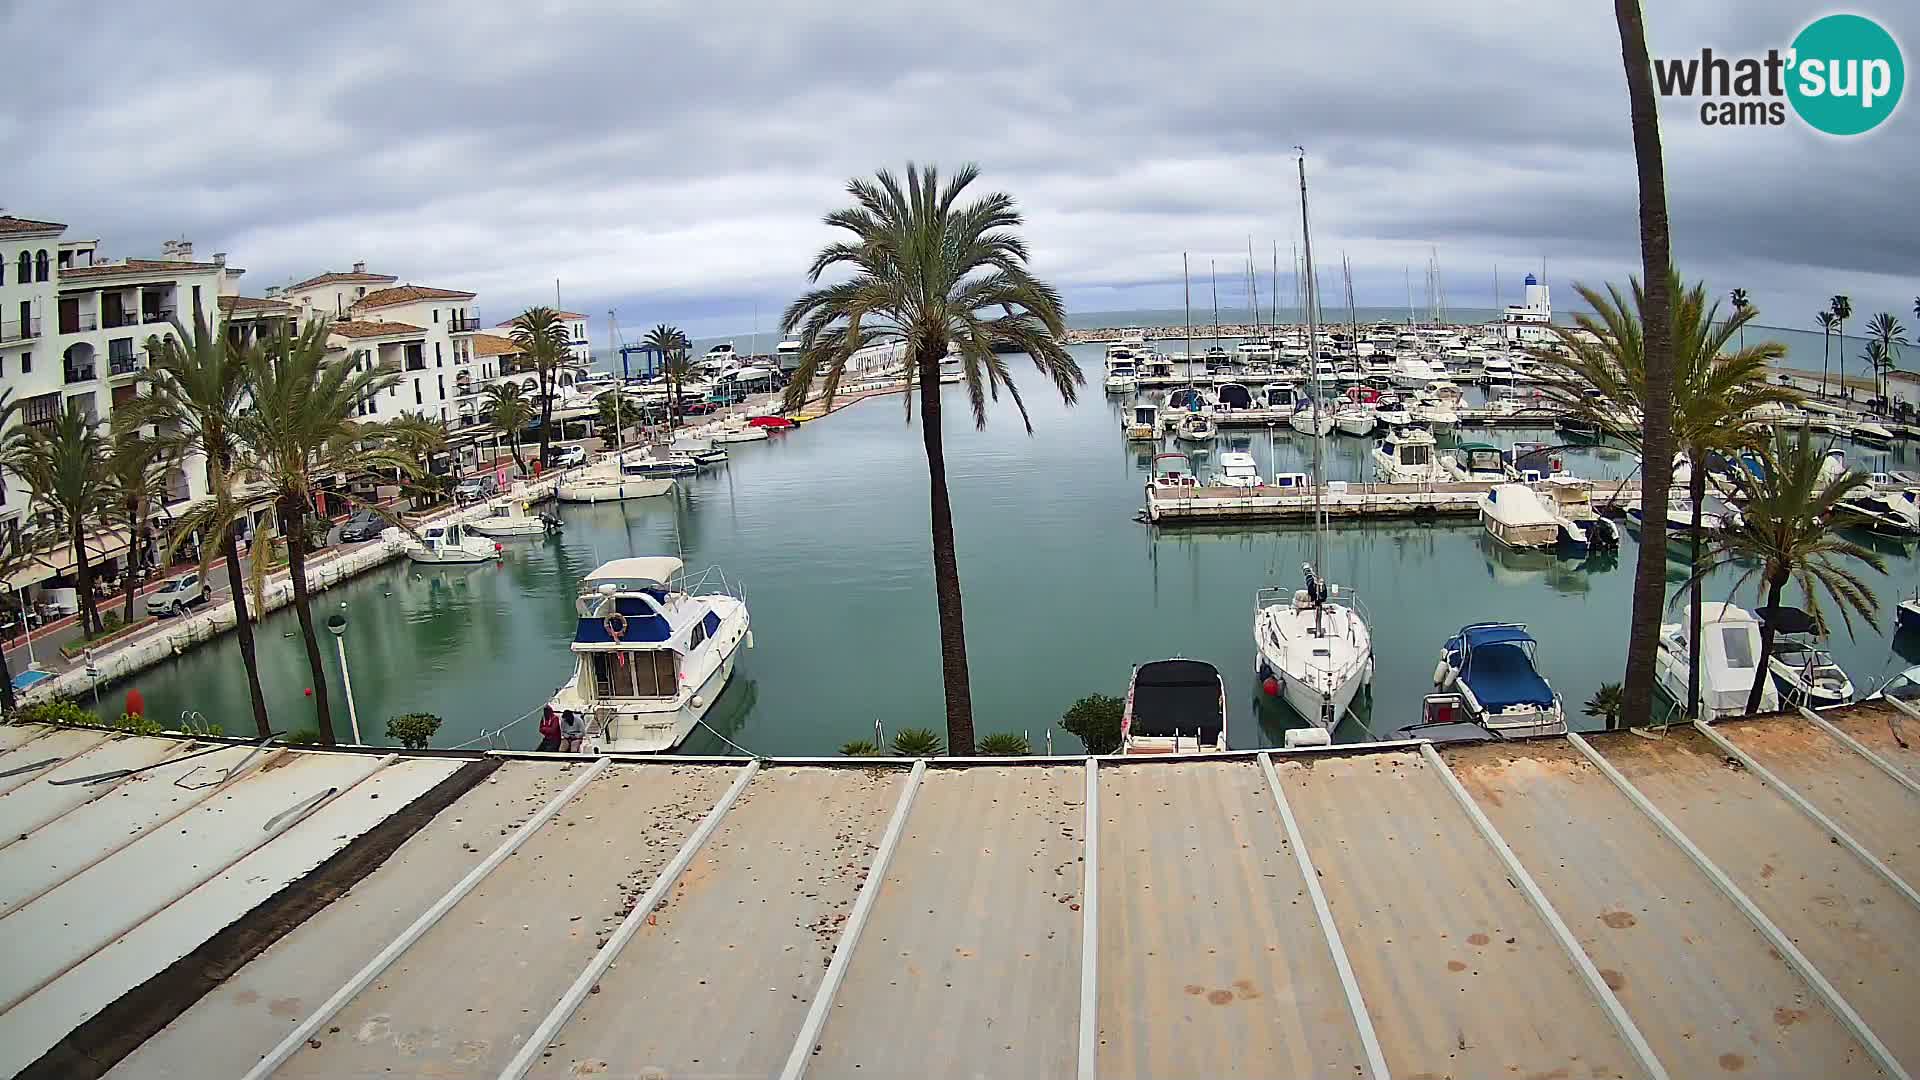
[(926, 272), (1649, 578), (299, 431), (541, 334), (19, 549), (60, 464), (1827, 323), (1740, 304), (673, 347), (1842, 309), (1714, 391), (612, 415), (192, 390), (135, 470), (1885, 338), (509, 412), (1789, 531)]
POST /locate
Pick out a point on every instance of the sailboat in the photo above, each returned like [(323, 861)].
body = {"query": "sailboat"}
[(1314, 651)]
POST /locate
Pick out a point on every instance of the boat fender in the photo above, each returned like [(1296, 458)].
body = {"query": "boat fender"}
[(749, 639), (1442, 674), (698, 702)]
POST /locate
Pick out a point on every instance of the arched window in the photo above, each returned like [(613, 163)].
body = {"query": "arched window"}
[(40, 266), (26, 269)]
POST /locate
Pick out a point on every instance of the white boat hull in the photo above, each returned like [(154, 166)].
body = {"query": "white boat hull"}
[(465, 555), (1304, 423), (1321, 691), (612, 489), (508, 526), (752, 434)]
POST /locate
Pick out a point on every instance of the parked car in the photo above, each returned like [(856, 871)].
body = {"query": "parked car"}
[(566, 457), (697, 408), (364, 525), (178, 595), (475, 489)]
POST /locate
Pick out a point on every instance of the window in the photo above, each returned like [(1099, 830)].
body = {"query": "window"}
[(1738, 646), (436, 354), (196, 300), (26, 363), (25, 273), (442, 381), (436, 318), (698, 637), (40, 266), (416, 392), (644, 673)]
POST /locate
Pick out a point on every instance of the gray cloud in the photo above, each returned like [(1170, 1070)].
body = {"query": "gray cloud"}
[(673, 161)]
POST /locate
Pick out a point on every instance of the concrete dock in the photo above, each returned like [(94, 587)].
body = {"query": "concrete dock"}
[(1702, 901), (1349, 501)]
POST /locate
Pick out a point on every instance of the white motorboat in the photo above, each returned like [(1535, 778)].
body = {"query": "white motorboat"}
[(675, 463), (737, 433), (1122, 376), (1407, 456), (1175, 706), (1145, 425), (1237, 470), (1356, 419), (1392, 412), (1906, 614), (1729, 660), (1173, 472), (1497, 369), (1492, 667), (1871, 434), (607, 484), (652, 652), (1517, 517), (1803, 672), (1196, 428), (1309, 420), (1885, 512), (1715, 515), (508, 518), (1434, 413), (1414, 372), (446, 545), (1475, 461)]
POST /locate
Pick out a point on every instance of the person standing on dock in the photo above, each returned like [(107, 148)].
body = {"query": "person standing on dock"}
[(549, 730), (571, 732)]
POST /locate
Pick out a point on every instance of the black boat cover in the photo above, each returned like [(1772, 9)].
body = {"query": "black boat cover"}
[(1177, 695)]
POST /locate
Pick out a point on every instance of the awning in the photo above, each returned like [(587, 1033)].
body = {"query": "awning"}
[(100, 546)]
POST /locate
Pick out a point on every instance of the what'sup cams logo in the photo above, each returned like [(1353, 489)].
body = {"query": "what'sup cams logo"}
[(1842, 76)]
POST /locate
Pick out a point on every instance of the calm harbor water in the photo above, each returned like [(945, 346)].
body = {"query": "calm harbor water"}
[(825, 527)]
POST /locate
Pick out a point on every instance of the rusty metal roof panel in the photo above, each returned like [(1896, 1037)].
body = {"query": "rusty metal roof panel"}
[(1697, 978), (1461, 975), (970, 963)]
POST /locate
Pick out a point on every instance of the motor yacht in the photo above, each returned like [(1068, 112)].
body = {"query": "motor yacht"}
[(1407, 456), (1729, 660), (1492, 667), (1175, 706), (1237, 470), (445, 545)]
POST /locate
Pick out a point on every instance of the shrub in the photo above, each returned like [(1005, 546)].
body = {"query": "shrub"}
[(1604, 705), (57, 711), (413, 730), (1095, 720), (917, 742), (301, 737), (1004, 744), (860, 748), (136, 724)]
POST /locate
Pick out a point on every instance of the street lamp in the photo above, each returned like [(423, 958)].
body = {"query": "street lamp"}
[(337, 623)]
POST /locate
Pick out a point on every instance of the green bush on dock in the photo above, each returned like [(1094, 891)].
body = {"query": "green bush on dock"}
[(1004, 744), (860, 748), (136, 724), (1095, 721), (57, 711), (918, 742), (301, 737), (414, 730), (1604, 705)]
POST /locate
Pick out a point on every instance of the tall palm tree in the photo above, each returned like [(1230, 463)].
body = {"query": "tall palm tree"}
[(1740, 304), (135, 470), (1714, 391), (926, 271), (20, 549), (1885, 338), (192, 389), (1650, 572), (1842, 309), (673, 346), (60, 464), (299, 431), (1827, 323), (542, 335), (509, 412), (1789, 530)]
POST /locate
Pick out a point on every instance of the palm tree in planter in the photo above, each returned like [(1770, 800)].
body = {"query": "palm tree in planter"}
[(541, 334), (1714, 391), (191, 392), (135, 470), (926, 272), (1789, 531), (60, 464), (509, 412), (300, 431)]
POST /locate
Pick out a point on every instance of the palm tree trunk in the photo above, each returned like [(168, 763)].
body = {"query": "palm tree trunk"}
[(546, 413), (243, 632), (293, 522), (1649, 582), (1826, 357), (946, 567), (1697, 489), (137, 515), (1761, 674), (83, 577), (7, 702)]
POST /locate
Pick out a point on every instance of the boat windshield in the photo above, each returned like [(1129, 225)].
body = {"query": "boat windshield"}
[(1737, 643)]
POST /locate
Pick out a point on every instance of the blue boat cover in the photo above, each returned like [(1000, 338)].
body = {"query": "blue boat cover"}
[(642, 625), (1498, 668), (1494, 633)]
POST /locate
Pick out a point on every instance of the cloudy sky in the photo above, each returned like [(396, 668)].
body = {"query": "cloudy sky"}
[(672, 161)]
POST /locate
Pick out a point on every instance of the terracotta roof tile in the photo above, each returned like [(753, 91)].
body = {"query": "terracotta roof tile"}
[(136, 266), (568, 315), (333, 278), (357, 329), (493, 345), (10, 225), (407, 294), (244, 304)]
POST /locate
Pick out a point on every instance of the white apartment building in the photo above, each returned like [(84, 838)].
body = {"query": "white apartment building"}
[(578, 347)]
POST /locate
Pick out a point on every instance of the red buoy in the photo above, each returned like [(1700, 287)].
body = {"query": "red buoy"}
[(308, 691), (136, 704), (1270, 686)]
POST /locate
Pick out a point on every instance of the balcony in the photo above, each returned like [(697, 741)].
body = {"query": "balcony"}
[(20, 330), (78, 322), (113, 320), (123, 365), (80, 374), (157, 315), (463, 324)]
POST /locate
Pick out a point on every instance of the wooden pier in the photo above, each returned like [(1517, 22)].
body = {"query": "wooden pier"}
[(1345, 501)]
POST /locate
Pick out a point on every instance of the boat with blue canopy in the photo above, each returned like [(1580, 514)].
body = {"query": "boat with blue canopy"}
[(1491, 666)]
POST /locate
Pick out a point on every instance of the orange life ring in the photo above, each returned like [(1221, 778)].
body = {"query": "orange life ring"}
[(616, 625)]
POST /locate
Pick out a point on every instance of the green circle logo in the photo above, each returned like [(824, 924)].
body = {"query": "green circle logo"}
[(1847, 74)]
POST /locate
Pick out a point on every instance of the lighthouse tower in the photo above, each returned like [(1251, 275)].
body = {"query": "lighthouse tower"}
[(1536, 296), (1525, 323)]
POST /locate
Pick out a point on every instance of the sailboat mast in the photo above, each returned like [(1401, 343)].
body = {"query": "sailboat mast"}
[(1214, 272), (1186, 285), (1253, 287), (613, 334), (1313, 357), (1273, 293), (1353, 320)]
